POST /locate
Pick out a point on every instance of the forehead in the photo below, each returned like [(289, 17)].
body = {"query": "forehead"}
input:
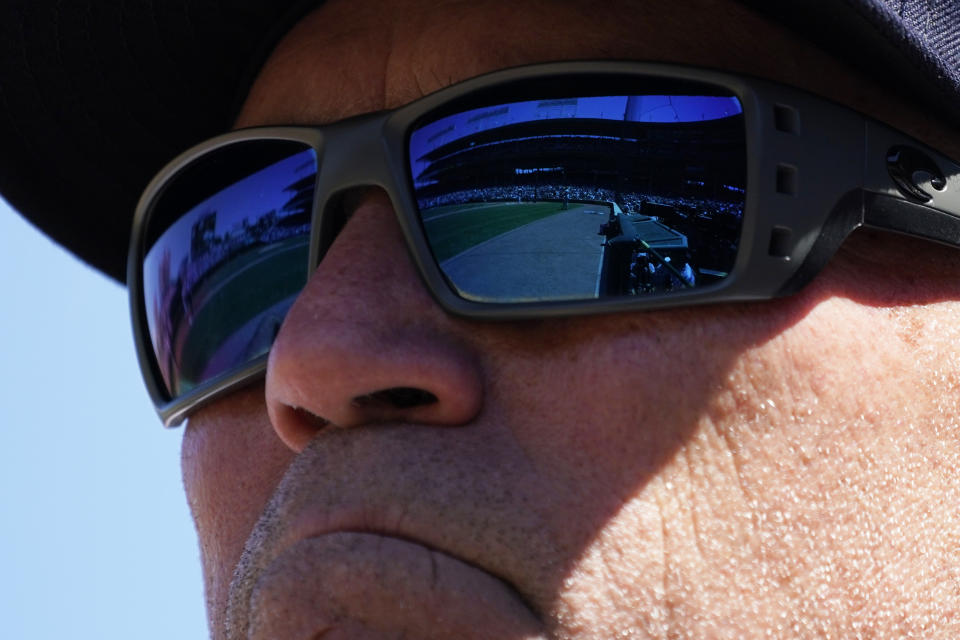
[(351, 57)]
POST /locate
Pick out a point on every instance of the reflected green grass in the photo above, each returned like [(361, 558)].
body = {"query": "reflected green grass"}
[(237, 291), (453, 230)]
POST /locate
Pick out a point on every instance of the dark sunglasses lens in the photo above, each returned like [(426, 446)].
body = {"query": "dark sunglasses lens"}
[(574, 198), (227, 247)]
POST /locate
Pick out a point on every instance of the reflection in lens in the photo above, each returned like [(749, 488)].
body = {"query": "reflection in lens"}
[(578, 198), (219, 280)]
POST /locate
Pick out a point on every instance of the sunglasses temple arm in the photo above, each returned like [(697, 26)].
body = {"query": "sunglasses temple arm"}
[(892, 213), (899, 173), (883, 212), (847, 215), (909, 187)]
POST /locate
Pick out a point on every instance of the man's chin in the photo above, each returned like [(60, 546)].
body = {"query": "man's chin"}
[(351, 585)]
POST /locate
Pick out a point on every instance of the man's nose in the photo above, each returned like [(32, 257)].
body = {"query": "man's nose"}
[(365, 342)]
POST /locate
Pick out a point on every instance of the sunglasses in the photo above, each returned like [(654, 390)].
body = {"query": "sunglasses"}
[(547, 190)]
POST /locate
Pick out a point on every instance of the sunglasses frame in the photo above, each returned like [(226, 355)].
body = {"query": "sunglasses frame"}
[(816, 170)]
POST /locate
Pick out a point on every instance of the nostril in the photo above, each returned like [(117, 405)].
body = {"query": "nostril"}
[(295, 425), (395, 398), (308, 419)]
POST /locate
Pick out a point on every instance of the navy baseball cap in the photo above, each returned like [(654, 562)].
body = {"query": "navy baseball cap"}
[(96, 96)]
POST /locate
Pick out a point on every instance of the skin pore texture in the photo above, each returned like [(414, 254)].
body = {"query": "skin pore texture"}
[(777, 469)]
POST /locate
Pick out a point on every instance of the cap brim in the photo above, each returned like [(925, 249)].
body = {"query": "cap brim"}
[(96, 96)]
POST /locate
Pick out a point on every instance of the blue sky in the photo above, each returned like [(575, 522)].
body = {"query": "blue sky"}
[(95, 537)]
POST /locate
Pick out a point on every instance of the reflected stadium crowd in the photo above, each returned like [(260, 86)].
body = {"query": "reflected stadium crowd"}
[(518, 193), (631, 202)]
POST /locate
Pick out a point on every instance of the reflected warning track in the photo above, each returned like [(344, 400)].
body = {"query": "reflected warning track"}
[(521, 251)]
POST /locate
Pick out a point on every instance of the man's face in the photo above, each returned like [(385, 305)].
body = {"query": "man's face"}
[(722, 471)]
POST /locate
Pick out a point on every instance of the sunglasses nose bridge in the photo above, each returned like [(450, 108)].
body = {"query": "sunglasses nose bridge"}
[(353, 154)]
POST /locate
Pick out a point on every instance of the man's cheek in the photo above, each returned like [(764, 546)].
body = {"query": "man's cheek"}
[(231, 462)]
